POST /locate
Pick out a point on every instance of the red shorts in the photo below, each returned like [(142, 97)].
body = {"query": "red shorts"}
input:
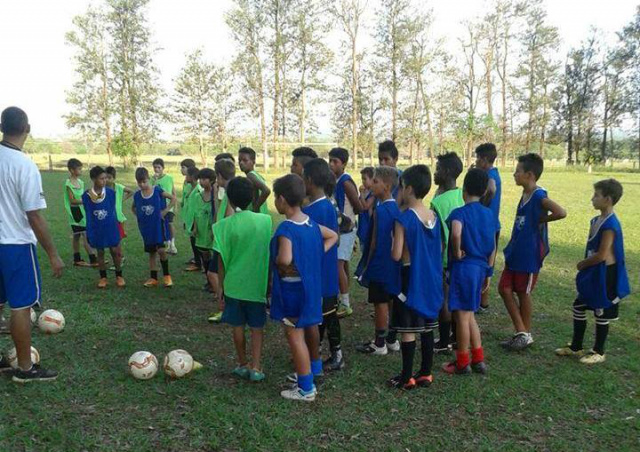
[(121, 229), (518, 282)]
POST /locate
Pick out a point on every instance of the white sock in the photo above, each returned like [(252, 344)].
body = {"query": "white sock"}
[(344, 299)]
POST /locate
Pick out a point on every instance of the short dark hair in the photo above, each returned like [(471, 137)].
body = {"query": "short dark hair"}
[(225, 155), (240, 192), (450, 163), (291, 188), (487, 151), (367, 171), (417, 177), (142, 174), (609, 188), (388, 147), (111, 170), (304, 152), (158, 161), (340, 153), (96, 171), (73, 164), (476, 182), (207, 173), (533, 163), (320, 175), (387, 174), (14, 121), (193, 171), (247, 150), (225, 168), (188, 163)]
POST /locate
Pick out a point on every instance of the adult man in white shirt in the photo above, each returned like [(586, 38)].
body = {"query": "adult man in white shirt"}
[(21, 228)]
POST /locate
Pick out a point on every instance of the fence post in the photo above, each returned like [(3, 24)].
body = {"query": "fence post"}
[(50, 163)]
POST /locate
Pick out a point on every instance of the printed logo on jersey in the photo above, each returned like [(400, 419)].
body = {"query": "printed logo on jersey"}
[(520, 221), (148, 210), (101, 214)]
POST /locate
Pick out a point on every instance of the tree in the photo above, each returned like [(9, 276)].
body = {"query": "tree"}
[(631, 38), (615, 94), (469, 84)]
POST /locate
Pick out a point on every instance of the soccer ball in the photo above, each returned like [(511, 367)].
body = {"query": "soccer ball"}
[(143, 365), (178, 363), (12, 357), (51, 321), (34, 316)]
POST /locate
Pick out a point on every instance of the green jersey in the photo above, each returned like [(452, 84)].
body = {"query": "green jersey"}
[(263, 207), (243, 243), (75, 213), (202, 217), (166, 183), (188, 203), (443, 205), (223, 208), (119, 188)]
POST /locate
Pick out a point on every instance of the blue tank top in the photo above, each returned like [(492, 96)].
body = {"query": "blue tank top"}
[(102, 220), (339, 193), (324, 213), (153, 228), (494, 205), (478, 234)]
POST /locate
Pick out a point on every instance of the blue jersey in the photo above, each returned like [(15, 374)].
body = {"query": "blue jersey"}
[(478, 234), (591, 282), (153, 228), (340, 194), (308, 250), (424, 242), (102, 220), (529, 243), (324, 213), (494, 205), (377, 265)]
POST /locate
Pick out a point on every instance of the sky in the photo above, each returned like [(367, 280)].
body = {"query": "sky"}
[(37, 65)]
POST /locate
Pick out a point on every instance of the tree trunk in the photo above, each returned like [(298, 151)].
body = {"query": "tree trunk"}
[(302, 116), (503, 79), (203, 156), (276, 83), (354, 102), (543, 124)]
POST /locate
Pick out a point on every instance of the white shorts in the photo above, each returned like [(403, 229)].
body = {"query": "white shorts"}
[(345, 247)]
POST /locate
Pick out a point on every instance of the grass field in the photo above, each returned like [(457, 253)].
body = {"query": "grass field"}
[(529, 401)]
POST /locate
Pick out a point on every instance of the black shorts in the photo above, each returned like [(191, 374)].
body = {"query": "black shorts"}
[(153, 248), (329, 305), (170, 217), (610, 313), (377, 294), (403, 318), (78, 229), (213, 263), (76, 214)]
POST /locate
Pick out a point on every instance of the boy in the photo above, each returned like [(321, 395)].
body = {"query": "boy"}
[(602, 279), (348, 201), (318, 179), (202, 209), (242, 242), (297, 248), (74, 188), (367, 200), (485, 157), (388, 156), (165, 181), (188, 185), (447, 198), (471, 254), (527, 248), (102, 224), (151, 210), (122, 194), (192, 190), (377, 270), (247, 163), (299, 157), (418, 245)]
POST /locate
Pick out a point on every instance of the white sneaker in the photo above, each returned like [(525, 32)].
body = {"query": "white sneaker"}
[(298, 394), (393, 346), (172, 249), (529, 339), (371, 348)]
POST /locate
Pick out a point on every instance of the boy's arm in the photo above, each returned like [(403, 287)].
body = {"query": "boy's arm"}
[(262, 189), (606, 244), (398, 242), (172, 202), (128, 193), (351, 192), (72, 199), (491, 192), (557, 211), (220, 277), (329, 237), (133, 208), (285, 252), (455, 235)]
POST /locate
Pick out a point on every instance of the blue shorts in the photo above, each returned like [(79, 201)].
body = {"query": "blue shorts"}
[(465, 286), (292, 294), (241, 313), (20, 282)]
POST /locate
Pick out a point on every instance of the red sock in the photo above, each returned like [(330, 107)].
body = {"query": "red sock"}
[(462, 359), (477, 355)]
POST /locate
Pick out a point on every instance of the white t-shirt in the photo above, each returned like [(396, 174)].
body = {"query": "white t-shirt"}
[(20, 192)]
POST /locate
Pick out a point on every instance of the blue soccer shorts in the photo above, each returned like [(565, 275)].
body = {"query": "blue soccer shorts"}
[(20, 282)]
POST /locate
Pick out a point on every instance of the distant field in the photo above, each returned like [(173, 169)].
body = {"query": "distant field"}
[(529, 401)]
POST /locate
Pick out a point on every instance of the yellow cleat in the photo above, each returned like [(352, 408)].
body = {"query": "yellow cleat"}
[(120, 282), (167, 281), (566, 351), (102, 284), (196, 366), (151, 282), (592, 358)]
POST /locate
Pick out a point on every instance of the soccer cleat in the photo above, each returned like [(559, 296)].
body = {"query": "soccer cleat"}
[(103, 283), (151, 282), (256, 375), (568, 351), (592, 357), (452, 368), (439, 348), (507, 342), (344, 311), (167, 281), (192, 268), (300, 395), (520, 342), (370, 348), (396, 382), (171, 249), (423, 380), (479, 368), (4, 364), (482, 309), (393, 346), (120, 282), (215, 318), (334, 363), (36, 373), (241, 371), (81, 263)]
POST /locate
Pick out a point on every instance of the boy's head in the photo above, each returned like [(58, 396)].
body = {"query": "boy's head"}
[(225, 171), (316, 173), (192, 175), (246, 159), (75, 167), (142, 178), (185, 165), (300, 157), (338, 159), (606, 193), (289, 191), (367, 176), (529, 169), (387, 153), (225, 155), (486, 154), (111, 175), (448, 168), (476, 182), (240, 192), (207, 178), (98, 176), (384, 179), (158, 166), (416, 180), (14, 123)]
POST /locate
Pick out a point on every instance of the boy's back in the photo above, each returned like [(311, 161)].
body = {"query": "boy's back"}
[(323, 212), (166, 183), (381, 267), (478, 233), (201, 210), (263, 208)]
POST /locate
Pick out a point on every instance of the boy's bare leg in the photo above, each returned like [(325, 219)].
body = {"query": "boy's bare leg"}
[(101, 264), (312, 339), (381, 316), (484, 301), (408, 337), (512, 307), (153, 261), (21, 335), (526, 310), (463, 319), (241, 344), (343, 276), (90, 251), (299, 350), (257, 335), (116, 255), (474, 330)]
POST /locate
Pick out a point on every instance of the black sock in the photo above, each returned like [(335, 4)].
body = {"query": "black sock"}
[(380, 337), (76, 257), (454, 328), (426, 343), (93, 258), (579, 327), (118, 273), (334, 333), (392, 336), (408, 351), (445, 331), (602, 330), (197, 256), (103, 273), (154, 274), (165, 267), (322, 328)]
